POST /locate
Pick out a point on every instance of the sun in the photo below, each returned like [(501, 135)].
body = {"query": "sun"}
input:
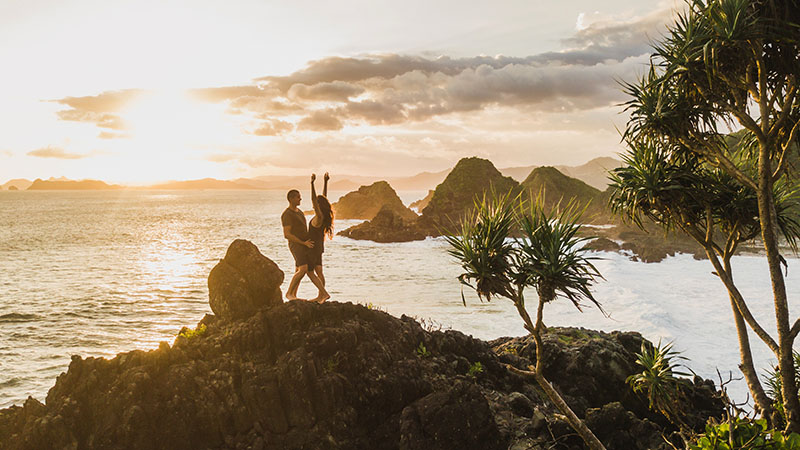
[(168, 134)]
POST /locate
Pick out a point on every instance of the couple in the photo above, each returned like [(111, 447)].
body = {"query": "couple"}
[(307, 245)]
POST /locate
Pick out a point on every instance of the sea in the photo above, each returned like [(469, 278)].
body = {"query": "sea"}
[(95, 273)]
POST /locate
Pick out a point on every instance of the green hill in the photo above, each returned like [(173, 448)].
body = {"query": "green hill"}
[(470, 178), (557, 187)]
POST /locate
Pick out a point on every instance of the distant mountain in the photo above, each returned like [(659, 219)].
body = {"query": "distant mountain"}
[(205, 183), (470, 178), (71, 185), (19, 183), (419, 182), (594, 173)]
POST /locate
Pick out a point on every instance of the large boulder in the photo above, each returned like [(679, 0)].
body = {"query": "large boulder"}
[(244, 282), (367, 201)]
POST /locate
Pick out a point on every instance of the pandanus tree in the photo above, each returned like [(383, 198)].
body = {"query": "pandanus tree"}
[(547, 255), (671, 187), (726, 63)]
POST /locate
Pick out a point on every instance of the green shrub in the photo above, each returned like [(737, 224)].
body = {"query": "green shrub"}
[(189, 333), (658, 380), (743, 434), (775, 387), (422, 351), (475, 369)]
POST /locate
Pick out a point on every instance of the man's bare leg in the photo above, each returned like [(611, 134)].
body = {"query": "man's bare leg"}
[(323, 294), (299, 273)]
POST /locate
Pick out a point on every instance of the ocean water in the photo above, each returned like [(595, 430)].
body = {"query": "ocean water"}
[(97, 273)]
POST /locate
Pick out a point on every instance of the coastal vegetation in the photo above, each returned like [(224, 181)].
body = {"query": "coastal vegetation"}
[(723, 62), (549, 257)]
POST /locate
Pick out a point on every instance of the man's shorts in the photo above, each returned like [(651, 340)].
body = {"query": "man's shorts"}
[(300, 253)]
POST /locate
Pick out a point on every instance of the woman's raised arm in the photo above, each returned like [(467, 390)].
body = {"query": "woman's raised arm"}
[(325, 186), (314, 195)]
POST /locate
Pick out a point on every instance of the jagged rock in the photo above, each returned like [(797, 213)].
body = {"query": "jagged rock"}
[(386, 226), (336, 376), (367, 201), (243, 282)]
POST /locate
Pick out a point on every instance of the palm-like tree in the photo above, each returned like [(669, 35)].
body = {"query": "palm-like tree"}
[(549, 256), (677, 191), (726, 62)]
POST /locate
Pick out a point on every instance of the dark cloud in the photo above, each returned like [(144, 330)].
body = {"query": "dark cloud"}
[(321, 121), (376, 113), (54, 152), (273, 128), (338, 91)]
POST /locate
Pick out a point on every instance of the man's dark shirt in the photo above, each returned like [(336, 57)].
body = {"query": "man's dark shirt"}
[(296, 221)]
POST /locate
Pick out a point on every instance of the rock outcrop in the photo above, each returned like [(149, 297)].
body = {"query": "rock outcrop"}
[(301, 375), (243, 282), (367, 201), (386, 226), (341, 376)]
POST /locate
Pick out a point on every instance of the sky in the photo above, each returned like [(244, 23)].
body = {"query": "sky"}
[(149, 91)]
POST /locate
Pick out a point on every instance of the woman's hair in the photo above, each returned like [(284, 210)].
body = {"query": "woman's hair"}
[(327, 215)]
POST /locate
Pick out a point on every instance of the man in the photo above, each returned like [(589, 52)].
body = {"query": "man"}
[(296, 233)]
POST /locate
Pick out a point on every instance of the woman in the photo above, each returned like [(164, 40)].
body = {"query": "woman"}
[(320, 225)]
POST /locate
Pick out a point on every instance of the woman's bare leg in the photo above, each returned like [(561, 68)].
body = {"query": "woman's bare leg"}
[(318, 271), (323, 294)]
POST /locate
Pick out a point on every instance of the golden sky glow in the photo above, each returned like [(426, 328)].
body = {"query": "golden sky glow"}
[(141, 92)]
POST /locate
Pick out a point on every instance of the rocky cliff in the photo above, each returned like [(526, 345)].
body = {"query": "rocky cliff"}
[(368, 200), (300, 375)]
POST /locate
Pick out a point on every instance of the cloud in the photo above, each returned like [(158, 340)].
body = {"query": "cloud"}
[(393, 89), (320, 121), (335, 91), (273, 128), (100, 109), (55, 152), (112, 135)]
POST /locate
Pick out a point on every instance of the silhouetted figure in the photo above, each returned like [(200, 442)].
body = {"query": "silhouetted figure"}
[(321, 224)]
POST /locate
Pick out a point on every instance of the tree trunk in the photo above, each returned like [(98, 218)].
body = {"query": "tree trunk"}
[(769, 235), (577, 424), (763, 404)]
